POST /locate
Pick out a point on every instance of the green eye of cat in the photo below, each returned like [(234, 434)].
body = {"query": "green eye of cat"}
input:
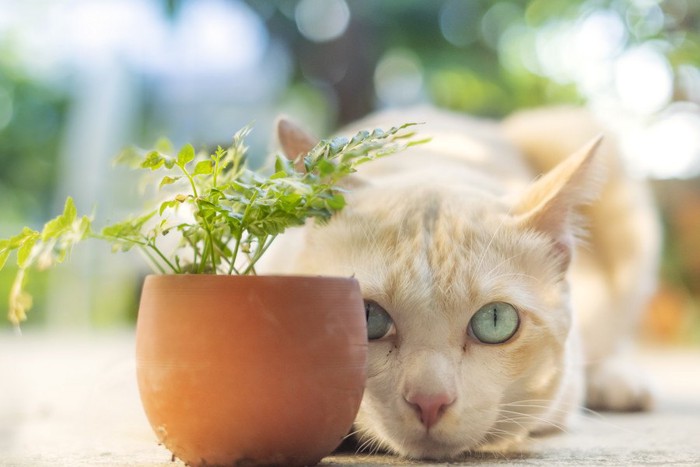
[(494, 323), (379, 323)]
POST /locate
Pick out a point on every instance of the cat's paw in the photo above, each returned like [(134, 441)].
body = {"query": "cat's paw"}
[(617, 384), (503, 445)]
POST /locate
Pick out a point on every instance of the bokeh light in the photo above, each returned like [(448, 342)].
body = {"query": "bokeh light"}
[(496, 21), (459, 22), (669, 147), (643, 80), (398, 78), (79, 78), (216, 36), (322, 20)]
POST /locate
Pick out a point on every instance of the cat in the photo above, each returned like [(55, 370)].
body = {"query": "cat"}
[(504, 267)]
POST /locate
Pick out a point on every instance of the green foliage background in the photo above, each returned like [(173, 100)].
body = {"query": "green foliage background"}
[(476, 56)]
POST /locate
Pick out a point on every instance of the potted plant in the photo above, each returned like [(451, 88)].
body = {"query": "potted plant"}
[(233, 368)]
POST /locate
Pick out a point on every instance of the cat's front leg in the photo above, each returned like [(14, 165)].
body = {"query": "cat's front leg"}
[(618, 384)]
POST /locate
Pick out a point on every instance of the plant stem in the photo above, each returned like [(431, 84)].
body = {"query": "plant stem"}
[(212, 248), (232, 267), (216, 170), (143, 249), (192, 184), (207, 228), (203, 262), (239, 237), (144, 246), (195, 250), (258, 254), (162, 256)]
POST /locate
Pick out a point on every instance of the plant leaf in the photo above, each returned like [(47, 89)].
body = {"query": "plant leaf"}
[(204, 167), (4, 254), (153, 160), (186, 155), (24, 251), (130, 156), (20, 301), (127, 230), (167, 180), (61, 223), (336, 202), (235, 210), (70, 213), (164, 145), (338, 143), (167, 204)]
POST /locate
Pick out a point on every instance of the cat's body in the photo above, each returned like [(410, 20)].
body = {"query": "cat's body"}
[(445, 229)]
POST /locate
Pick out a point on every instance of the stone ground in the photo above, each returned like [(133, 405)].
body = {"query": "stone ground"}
[(68, 400)]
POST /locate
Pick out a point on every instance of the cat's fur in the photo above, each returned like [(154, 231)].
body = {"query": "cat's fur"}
[(436, 232)]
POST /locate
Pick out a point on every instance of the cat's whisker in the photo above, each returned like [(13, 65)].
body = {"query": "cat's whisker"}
[(516, 274), (351, 434), (499, 432), (544, 404), (367, 447), (499, 454), (548, 408), (367, 444), (372, 444), (593, 415), (497, 266), (547, 404), (530, 417), (511, 420), (602, 419), (372, 447), (378, 446), (432, 246), (493, 237), (495, 435)]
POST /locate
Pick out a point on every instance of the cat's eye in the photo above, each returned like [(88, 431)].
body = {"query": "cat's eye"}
[(494, 323), (379, 323)]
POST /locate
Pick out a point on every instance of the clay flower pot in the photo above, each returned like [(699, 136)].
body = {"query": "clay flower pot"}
[(251, 369)]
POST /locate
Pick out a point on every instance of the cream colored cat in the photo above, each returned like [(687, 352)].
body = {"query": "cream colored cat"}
[(480, 278)]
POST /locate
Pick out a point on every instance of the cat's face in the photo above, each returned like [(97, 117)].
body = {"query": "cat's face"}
[(445, 378), (467, 303)]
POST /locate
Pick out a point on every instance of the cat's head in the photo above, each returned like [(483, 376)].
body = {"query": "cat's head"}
[(467, 304)]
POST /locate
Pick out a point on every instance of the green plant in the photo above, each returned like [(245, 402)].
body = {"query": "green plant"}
[(223, 215)]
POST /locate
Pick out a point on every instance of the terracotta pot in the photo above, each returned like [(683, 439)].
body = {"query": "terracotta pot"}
[(251, 370)]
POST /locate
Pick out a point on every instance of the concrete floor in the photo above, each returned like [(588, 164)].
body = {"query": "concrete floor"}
[(69, 400)]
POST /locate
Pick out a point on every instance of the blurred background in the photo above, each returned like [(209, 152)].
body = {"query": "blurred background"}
[(81, 79)]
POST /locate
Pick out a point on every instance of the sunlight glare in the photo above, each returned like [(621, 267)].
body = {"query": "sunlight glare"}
[(643, 80), (219, 36), (668, 148)]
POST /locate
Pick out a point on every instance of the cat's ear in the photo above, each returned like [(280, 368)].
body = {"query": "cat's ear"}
[(550, 204), (295, 141)]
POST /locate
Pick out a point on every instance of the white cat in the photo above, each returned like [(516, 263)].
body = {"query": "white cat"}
[(497, 302)]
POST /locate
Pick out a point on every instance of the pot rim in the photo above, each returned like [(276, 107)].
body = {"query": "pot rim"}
[(307, 276), (196, 279)]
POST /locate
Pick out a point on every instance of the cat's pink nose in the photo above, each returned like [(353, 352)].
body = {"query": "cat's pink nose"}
[(430, 407)]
